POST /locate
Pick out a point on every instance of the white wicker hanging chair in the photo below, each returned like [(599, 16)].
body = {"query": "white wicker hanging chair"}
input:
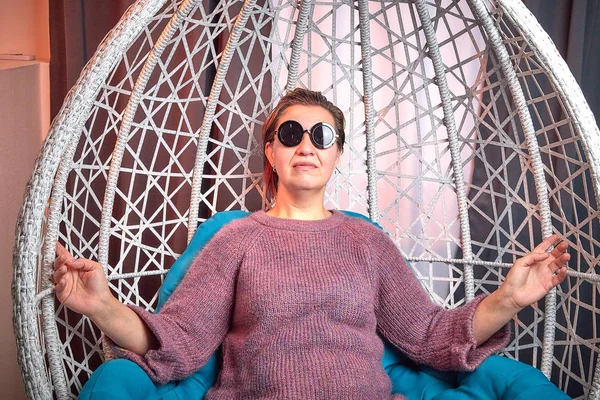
[(162, 130)]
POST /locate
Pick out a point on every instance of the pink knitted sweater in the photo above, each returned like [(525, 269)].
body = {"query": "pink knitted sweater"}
[(297, 306)]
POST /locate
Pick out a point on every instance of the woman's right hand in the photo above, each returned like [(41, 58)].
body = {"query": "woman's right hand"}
[(82, 286), (80, 283)]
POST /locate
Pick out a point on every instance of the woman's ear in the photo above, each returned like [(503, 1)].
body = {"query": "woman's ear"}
[(269, 153)]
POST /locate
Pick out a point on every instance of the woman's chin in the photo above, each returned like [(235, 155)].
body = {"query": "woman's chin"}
[(307, 186)]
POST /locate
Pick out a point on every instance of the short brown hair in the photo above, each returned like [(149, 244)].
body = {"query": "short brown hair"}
[(302, 97)]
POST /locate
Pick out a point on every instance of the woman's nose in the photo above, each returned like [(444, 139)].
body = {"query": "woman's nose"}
[(306, 147)]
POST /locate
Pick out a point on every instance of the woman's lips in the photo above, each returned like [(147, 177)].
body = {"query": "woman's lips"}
[(305, 166)]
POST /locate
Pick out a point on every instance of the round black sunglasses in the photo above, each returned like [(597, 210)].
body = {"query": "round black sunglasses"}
[(322, 135)]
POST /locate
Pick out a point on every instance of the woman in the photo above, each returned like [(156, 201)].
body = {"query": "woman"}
[(296, 295)]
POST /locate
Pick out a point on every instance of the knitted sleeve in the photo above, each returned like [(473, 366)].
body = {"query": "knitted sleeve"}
[(194, 320), (427, 333)]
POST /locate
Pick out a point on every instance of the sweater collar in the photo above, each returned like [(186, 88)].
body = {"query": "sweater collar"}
[(286, 224)]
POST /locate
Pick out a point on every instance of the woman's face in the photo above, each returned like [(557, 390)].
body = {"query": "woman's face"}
[(304, 167)]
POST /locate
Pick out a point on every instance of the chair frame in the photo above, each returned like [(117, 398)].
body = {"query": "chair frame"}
[(40, 351)]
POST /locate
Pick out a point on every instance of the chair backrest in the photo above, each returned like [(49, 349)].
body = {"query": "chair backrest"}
[(467, 140)]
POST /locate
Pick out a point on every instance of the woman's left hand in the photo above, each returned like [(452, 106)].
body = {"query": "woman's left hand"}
[(531, 277)]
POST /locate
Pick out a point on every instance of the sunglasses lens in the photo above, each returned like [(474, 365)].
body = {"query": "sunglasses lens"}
[(323, 136), (290, 133)]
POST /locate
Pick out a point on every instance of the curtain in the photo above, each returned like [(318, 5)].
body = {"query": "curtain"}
[(76, 29), (574, 26)]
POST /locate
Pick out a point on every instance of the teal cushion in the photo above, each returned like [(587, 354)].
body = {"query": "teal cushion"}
[(497, 378), (107, 382)]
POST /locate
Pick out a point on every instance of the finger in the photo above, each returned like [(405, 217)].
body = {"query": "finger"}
[(59, 274), (62, 291), (82, 264), (60, 250), (559, 249), (532, 258), (559, 262), (547, 245), (61, 282), (560, 276), (63, 255), (61, 260)]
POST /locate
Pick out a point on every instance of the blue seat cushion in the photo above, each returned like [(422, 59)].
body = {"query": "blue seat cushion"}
[(497, 378)]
